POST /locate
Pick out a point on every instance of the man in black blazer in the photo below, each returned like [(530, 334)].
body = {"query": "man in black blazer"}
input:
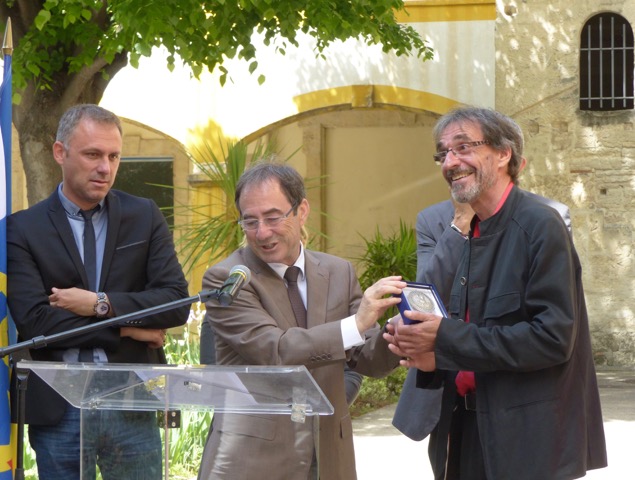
[(50, 290), (440, 241), (514, 359)]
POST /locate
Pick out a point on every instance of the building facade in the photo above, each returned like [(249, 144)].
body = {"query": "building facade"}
[(583, 158)]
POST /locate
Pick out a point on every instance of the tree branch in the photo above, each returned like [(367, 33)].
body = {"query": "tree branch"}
[(78, 81)]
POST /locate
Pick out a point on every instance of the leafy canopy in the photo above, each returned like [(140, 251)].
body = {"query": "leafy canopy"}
[(70, 34)]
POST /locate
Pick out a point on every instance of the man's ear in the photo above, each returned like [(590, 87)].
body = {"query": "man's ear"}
[(504, 157), (59, 152), (303, 210)]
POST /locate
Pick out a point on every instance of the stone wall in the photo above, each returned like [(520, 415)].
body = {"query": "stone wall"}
[(583, 159)]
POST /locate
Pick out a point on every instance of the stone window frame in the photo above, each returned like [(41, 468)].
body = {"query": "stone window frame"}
[(606, 63)]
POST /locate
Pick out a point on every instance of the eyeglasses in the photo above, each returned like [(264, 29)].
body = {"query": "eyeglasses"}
[(460, 151), (252, 224)]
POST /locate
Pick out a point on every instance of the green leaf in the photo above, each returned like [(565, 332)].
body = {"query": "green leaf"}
[(42, 19), (49, 4), (34, 69), (143, 49), (269, 14)]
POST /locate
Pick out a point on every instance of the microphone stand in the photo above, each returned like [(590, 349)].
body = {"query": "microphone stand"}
[(44, 340)]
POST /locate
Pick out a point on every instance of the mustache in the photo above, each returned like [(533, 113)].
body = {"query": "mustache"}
[(457, 172)]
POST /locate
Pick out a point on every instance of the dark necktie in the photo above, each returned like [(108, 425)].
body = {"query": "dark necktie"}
[(90, 264), (299, 310), (90, 250)]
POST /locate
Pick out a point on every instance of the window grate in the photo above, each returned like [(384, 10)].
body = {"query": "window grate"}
[(606, 64)]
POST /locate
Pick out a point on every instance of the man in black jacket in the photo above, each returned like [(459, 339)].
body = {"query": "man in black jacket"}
[(520, 397)]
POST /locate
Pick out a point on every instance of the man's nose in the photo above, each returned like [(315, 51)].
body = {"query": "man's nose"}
[(451, 160), (103, 165), (263, 230)]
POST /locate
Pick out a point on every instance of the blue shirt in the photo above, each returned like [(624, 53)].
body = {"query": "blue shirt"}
[(100, 224)]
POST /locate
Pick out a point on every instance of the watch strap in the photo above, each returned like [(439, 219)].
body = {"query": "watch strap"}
[(458, 230)]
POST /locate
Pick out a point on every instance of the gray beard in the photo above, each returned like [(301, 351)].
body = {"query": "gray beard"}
[(466, 195), (470, 194)]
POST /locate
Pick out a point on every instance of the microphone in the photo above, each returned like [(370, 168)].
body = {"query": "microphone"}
[(238, 277)]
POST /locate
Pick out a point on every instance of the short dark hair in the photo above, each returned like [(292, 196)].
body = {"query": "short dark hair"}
[(71, 118), (500, 131), (290, 181)]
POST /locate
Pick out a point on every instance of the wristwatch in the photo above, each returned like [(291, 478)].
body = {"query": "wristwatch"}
[(458, 230), (102, 305)]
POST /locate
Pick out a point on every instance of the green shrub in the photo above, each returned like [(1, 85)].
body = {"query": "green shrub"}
[(385, 255), (395, 254)]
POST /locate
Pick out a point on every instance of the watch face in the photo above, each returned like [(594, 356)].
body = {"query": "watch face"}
[(102, 308)]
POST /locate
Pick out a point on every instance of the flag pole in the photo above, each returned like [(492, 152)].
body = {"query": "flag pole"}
[(7, 44), (5, 120)]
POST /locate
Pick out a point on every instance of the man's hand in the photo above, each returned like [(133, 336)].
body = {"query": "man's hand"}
[(376, 300), (424, 362), (154, 337), (463, 215), (417, 338), (80, 302), (415, 342)]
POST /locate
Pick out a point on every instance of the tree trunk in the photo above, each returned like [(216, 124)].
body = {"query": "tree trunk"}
[(36, 125)]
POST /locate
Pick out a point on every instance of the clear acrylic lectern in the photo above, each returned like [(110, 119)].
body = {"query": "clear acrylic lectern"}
[(283, 390)]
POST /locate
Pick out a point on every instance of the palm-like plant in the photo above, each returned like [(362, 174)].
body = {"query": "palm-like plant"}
[(207, 237)]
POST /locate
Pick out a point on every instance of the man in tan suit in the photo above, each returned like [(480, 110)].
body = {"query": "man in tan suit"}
[(260, 328)]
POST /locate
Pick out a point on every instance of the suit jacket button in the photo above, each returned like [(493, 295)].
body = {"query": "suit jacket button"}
[(463, 280)]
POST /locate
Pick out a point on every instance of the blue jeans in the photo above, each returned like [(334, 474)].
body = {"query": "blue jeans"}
[(125, 445)]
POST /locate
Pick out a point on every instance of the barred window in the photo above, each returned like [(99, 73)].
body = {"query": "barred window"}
[(606, 63)]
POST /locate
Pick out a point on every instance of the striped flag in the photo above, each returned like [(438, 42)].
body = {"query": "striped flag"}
[(7, 430)]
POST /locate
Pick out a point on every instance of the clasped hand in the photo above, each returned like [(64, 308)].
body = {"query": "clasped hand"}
[(414, 342), (82, 302)]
